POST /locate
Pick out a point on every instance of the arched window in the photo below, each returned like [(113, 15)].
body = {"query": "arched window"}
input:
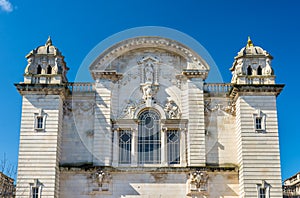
[(49, 69), (39, 69), (259, 71), (149, 138), (249, 70)]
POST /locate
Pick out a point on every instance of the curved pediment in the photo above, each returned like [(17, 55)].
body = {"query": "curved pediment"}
[(120, 57)]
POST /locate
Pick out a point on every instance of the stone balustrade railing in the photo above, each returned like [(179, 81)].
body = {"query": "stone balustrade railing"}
[(81, 87), (208, 87), (41, 79), (217, 87)]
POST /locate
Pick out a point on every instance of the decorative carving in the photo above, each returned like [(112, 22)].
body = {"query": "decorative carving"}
[(179, 79), (149, 72), (149, 69), (149, 90), (149, 78), (108, 75), (268, 69), (78, 108), (103, 179), (218, 105), (198, 181), (127, 78), (82, 107), (28, 67), (172, 110), (195, 61), (130, 109)]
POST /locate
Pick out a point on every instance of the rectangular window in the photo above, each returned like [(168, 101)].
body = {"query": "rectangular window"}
[(35, 192), (125, 147), (258, 123), (173, 146), (39, 122), (262, 193)]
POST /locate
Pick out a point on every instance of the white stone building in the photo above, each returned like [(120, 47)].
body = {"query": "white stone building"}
[(291, 187), (149, 125)]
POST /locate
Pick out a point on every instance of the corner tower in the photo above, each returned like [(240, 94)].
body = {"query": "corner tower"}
[(254, 94), (43, 92)]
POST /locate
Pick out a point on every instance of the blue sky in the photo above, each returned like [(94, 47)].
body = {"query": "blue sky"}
[(222, 27)]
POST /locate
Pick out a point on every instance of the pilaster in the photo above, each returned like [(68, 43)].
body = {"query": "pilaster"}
[(196, 128), (102, 127)]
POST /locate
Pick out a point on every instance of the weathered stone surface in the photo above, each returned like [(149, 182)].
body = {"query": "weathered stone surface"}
[(198, 139)]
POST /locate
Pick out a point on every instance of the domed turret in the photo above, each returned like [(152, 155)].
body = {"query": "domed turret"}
[(46, 65), (252, 65)]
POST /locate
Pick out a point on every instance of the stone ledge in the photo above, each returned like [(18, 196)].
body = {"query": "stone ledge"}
[(47, 89), (88, 167)]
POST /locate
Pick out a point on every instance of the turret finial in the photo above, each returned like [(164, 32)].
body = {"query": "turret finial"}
[(249, 43), (49, 41)]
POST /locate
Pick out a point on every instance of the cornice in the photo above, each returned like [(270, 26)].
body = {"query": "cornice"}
[(255, 89), (42, 89), (194, 60)]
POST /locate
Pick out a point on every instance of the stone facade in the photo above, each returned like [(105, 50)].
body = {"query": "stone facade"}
[(149, 126), (7, 187), (291, 187)]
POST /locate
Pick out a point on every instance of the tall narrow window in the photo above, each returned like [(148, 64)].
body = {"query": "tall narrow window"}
[(35, 189), (149, 141), (39, 122), (39, 69), (125, 147), (49, 69), (249, 70), (35, 192), (262, 192), (173, 146), (258, 123), (259, 71)]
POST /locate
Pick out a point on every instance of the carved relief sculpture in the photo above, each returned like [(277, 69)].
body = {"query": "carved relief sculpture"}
[(130, 109), (103, 179), (149, 85), (172, 110), (198, 181)]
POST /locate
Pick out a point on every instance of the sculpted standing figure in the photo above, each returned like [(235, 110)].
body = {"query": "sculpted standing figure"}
[(148, 72)]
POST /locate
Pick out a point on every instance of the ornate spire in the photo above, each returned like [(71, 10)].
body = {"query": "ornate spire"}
[(249, 43), (49, 41)]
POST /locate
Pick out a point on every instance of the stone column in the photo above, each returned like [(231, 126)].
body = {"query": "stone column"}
[(134, 149), (115, 148), (182, 147), (164, 159)]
